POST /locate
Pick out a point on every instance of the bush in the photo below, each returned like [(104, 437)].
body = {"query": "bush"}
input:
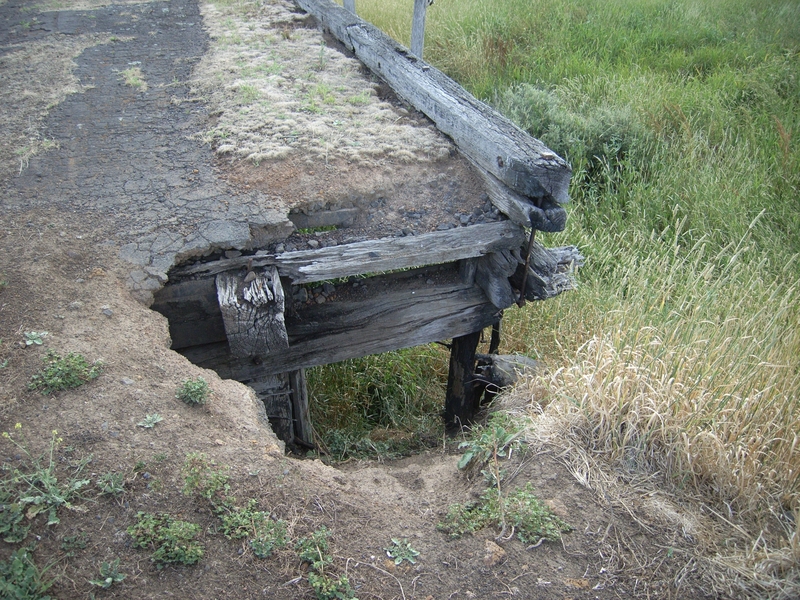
[(64, 373), (193, 391)]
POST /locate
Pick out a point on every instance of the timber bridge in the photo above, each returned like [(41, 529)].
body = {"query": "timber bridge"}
[(329, 284)]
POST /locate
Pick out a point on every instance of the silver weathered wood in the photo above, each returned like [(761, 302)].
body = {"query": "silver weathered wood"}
[(390, 254), (303, 429), (492, 276), (404, 315), (418, 26), (252, 310), (350, 5), (550, 272), (521, 210), (483, 135)]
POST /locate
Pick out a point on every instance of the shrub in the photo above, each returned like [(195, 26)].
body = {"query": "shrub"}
[(172, 541)]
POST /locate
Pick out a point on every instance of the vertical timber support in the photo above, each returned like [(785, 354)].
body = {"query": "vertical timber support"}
[(461, 402), (350, 5), (303, 432), (418, 26)]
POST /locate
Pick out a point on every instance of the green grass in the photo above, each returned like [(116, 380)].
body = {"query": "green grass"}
[(386, 405)]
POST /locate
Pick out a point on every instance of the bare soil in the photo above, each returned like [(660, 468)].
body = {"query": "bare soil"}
[(65, 217)]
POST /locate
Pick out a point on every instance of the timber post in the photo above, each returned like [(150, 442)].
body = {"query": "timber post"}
[(461, 400), (418, 26)]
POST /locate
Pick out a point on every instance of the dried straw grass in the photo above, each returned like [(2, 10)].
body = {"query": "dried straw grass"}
[(280, 91)]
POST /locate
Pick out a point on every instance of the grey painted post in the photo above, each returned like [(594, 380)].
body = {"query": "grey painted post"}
[(418, 26), (350, 5)]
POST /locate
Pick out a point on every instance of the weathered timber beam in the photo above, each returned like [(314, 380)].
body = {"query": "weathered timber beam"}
[(548, 216), (550, 271), (252, 310), (488, 139), (492, 276), (403, 316), (390, 254), (461, 398)]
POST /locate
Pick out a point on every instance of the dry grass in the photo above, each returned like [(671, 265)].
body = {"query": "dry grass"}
[(38, 76), (323, 107), (690, 392)]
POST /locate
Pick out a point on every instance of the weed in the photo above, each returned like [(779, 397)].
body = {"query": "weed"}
[(4, 364), (488, 445), (193, 391), (401, 550), (331, 588), (520, 509), (314, 550), (150, 421), (264, 533), (111, 484), (34, 488), (70, 543), (109, 574), (21, 579), (200, 477), (172, 541), (64, 373), (134, 77), (34, 337), (160, 457)]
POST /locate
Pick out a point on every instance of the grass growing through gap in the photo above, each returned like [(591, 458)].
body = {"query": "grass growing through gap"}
[(679, 354)]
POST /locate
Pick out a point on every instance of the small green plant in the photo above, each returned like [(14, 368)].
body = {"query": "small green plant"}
[(314, 550), (193, 391), (150, 421), (331, 588), (70, 543), (21, 579), (111, 484), (401, 550), (109, 574), (172, 541), (522, 510), (488, 445), (34, 488), (199, 476), (134, 78), (264, 533), (64, 373), (34, 337)]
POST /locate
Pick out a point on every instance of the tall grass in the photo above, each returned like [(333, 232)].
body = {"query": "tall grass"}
[(679, 353)]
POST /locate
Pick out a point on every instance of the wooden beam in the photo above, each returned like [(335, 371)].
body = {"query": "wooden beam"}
[(460, 404), (303, 430), (543, 214), (408, 314), (550, 271), (487, 138), (350, 5), (374, 256)]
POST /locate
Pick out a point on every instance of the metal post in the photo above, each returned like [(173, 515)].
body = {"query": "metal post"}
[(418, 26)]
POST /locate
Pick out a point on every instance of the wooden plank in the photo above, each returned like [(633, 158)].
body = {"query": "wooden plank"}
[(403, 316), (252, 310), (350, 5), (373, 256), (461, 401), (418, 26), (488, 139)]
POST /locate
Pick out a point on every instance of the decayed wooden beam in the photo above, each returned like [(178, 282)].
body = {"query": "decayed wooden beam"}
[(487, 138), (545, 214), (461, 400), (550, 271), (492, 276), (390, 254), (252, 310)]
